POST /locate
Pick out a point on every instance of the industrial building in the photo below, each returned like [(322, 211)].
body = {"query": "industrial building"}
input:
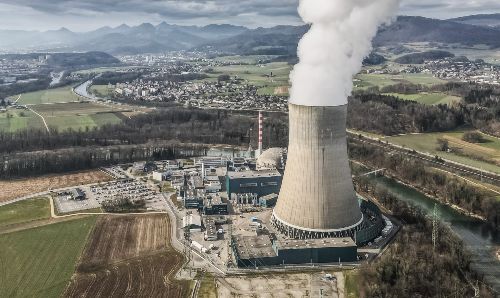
[(318, 217), (213, 205), (257, 251), (261, 183)]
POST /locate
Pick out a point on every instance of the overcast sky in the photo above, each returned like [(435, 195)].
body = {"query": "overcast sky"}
[(90, 14)]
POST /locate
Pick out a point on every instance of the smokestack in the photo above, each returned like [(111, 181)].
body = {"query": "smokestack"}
[(261, 121), (317, 197)]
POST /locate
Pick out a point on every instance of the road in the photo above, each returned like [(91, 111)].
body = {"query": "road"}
[(43, 119)]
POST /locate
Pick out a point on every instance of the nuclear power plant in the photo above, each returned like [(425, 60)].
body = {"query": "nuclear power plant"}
[(317, 198), (318, 217)]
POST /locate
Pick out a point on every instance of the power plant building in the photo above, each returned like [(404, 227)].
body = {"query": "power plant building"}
[(261, 183)]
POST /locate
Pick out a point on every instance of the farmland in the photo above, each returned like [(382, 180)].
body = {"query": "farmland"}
[(483, 155), (12, 189), (15, 120), (56, 95), (363, 81), (428, 98), (128, 256), (258, 75), (24, 211), (79, 115), (39, 262)]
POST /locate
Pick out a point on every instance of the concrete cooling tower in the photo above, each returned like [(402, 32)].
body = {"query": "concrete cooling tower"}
[(317, 198)]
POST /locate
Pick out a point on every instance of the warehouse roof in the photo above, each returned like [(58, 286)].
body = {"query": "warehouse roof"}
[(315, 243), (253, 174), (252, 247)]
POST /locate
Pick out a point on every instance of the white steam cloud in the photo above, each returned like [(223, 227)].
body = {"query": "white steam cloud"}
[(332, 52)]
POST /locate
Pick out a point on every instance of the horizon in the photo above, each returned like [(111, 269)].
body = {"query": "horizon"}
[(78, 16), (156, 24)]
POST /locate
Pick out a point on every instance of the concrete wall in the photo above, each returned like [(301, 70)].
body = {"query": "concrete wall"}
[(317, 193)]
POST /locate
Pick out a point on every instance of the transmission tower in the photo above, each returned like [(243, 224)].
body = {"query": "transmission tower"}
[(434, 227)]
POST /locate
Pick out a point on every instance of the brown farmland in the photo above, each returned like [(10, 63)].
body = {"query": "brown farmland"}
[(129, 256), (12, 189)]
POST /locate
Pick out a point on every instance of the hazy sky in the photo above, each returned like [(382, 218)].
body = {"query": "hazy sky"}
[(90, 14)]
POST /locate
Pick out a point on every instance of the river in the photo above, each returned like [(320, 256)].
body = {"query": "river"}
[(478, 237), (82, 90)]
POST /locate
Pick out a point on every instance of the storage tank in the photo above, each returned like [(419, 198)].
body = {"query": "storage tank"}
[(317, 198)]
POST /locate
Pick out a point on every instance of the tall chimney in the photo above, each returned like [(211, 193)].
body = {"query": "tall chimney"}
[(317, 198), (261, 127)]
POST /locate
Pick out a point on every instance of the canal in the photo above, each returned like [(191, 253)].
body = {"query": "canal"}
[(478, 236)]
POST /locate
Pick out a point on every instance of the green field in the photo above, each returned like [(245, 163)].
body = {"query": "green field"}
[(24, 211), (39, 262), (57, 95), (352, 284), (429, 143), (363, 81), (14, 120), (78, 115), (102, 91), (428, 98), (258, 75)]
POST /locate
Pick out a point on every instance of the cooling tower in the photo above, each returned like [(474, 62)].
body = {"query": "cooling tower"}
[(317, 198)]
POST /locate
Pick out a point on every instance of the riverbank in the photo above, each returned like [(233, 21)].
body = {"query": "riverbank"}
[(390, 174)]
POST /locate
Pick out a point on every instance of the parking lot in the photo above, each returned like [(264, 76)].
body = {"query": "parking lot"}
[(97, 194), (66, 204)]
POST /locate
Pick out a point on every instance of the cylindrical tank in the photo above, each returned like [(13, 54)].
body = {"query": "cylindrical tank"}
[(317, 197)]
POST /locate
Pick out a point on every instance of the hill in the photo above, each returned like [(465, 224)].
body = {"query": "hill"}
[(420, 58), (282, 40), (484, 20), (69, 60), (279, 40), (419, 29)]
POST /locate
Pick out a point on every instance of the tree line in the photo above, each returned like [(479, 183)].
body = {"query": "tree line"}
[(447, 188), (412, 267)]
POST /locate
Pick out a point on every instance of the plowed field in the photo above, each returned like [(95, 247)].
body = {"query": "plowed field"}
[(128, 256)]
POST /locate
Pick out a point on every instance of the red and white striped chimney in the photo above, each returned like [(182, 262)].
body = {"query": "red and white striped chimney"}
[(261, 127)]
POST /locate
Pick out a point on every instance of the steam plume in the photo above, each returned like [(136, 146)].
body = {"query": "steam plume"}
[(332, 52)]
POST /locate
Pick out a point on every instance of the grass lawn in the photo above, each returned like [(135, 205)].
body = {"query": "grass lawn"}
[(24, 211), (428, 98), (428, 143), (39, 262), (351, 284), (14, 120), (57, 95)]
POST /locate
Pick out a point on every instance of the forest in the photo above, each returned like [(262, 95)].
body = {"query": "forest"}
[(408, 270)]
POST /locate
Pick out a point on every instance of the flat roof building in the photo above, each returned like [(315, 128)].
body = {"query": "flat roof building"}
[(261, 183)]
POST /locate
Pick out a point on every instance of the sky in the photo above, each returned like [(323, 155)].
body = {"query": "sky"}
[(88, 15)]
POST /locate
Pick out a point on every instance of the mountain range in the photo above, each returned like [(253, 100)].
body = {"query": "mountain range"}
[(230, 39)]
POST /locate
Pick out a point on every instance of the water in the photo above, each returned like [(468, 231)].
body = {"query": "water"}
[(478, 236), (82, 90)]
